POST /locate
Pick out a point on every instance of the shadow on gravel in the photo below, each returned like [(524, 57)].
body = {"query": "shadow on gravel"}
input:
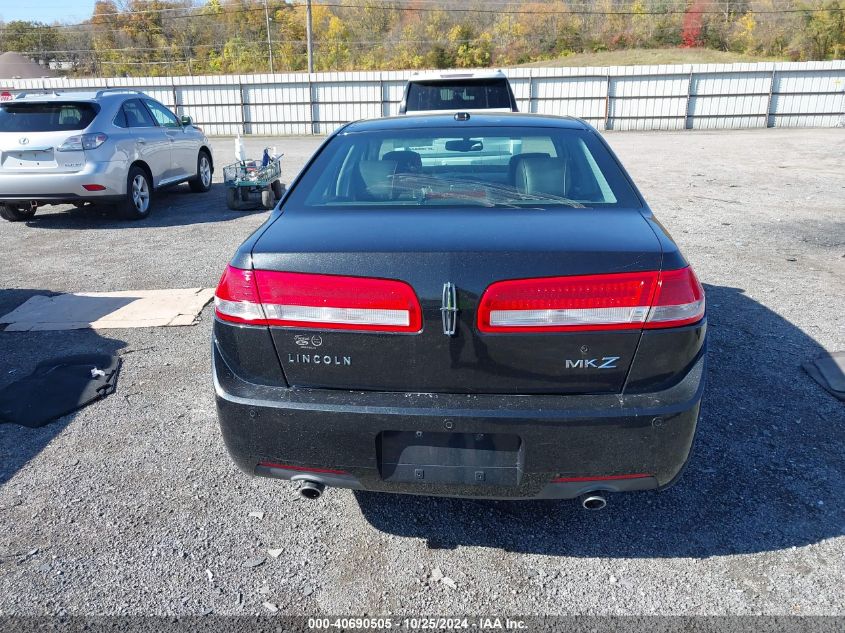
[(178, 206), (20, 352), (766, 472)]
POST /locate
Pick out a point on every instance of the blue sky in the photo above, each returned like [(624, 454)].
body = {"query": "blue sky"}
[(46, 10)]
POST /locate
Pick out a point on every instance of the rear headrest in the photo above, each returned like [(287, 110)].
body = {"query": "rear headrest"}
[(541, 175), (518, 157), (378, 177), (407, 162)]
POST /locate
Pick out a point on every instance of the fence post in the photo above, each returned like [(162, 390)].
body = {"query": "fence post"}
[(243, 106), (384, 111), (531, 108), (312, 105), (607, 102), (687, 115), (769, 114)]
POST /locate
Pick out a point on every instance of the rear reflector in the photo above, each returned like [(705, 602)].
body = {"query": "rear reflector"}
[(93, 187), (618, 301), (565, 480), (304, 469), (264, 297)]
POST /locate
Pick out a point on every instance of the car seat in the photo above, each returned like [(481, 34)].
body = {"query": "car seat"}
[(542, 176), (407, 162), (376, 179)]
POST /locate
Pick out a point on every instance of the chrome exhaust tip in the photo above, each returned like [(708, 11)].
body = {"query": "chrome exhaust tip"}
[(311, 490), (593, 501)]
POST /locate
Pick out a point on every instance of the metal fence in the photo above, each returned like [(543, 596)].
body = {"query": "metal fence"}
[(701, 96)]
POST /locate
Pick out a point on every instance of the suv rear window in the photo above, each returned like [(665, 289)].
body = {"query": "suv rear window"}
[(474, 94), (46, 117), (481, 166)]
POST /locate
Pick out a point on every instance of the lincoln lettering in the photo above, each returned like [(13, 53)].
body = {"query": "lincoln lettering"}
[(319, 359)]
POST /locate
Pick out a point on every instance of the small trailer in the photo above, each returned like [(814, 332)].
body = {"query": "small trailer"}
[(253, 185)]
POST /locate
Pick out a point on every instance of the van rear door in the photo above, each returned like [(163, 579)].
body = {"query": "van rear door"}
[(456, 94)]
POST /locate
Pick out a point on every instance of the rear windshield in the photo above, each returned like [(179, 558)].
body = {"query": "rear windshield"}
[(46, 117), (458, 95), (484, 167)]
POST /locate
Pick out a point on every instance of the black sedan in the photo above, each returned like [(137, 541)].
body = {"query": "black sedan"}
[(468, 305)]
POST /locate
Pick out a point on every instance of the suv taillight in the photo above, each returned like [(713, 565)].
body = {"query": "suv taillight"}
[(617, 301), (80, 142), (263, 297)]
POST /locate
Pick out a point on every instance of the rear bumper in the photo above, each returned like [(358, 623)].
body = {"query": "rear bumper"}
[(588, 442), (57, 188)]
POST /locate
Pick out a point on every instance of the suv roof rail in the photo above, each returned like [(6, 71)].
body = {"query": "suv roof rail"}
[(100, 93), (105, 91), (22, 95)]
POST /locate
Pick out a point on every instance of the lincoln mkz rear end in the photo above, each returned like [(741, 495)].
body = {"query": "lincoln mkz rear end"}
[(471, 305)]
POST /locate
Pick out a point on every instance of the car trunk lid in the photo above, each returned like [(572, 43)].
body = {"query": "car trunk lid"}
[(33, 152), (428, 249), (32, 131)]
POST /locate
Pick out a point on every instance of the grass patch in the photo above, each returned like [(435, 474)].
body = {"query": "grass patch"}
[(651, 57)]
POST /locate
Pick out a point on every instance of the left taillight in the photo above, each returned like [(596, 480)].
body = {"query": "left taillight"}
[(305, 300), (236, 298)]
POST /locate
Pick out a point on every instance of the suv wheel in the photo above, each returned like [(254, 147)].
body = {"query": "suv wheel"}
[(202, 182), (16, 212), (138, 195)]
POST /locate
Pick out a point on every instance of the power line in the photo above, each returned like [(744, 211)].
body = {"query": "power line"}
[(131, 49), (198, 12)]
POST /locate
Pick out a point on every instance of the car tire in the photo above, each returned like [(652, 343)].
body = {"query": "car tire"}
[(268, 200), (278, 189), (139, 195), (233, 199), (202, 181), (16, 212)]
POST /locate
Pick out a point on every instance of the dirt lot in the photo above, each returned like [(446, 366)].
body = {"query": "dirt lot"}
[(131, 506)]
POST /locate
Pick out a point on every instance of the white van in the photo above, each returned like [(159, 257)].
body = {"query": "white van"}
[(428, 93)]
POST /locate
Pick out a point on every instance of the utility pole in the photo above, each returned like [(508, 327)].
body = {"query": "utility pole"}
[(309, 35), (269, 41)]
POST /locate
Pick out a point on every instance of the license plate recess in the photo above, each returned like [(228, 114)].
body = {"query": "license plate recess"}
[(492, 459)]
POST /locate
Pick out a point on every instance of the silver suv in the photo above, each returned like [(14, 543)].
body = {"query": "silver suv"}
[(113, 147)]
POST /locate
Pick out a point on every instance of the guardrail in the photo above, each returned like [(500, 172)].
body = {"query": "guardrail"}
[(699, 96)]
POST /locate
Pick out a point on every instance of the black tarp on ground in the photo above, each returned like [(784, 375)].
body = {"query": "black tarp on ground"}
[(57, 387), (829, 372)]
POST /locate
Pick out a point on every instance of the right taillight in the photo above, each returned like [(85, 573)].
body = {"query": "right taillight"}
[(613, 301), (80, 142), (679, 300), (304, 300)]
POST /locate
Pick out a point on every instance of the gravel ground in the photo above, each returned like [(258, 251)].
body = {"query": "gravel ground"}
[(131, 506)]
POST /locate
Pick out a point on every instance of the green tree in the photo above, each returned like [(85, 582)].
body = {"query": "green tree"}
[(823, 33), (34, 38)]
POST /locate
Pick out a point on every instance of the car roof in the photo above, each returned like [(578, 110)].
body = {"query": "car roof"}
[(455, 75), (93, 96), (475, 119)]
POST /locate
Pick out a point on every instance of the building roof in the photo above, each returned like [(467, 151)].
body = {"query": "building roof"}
[(16, 66)]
